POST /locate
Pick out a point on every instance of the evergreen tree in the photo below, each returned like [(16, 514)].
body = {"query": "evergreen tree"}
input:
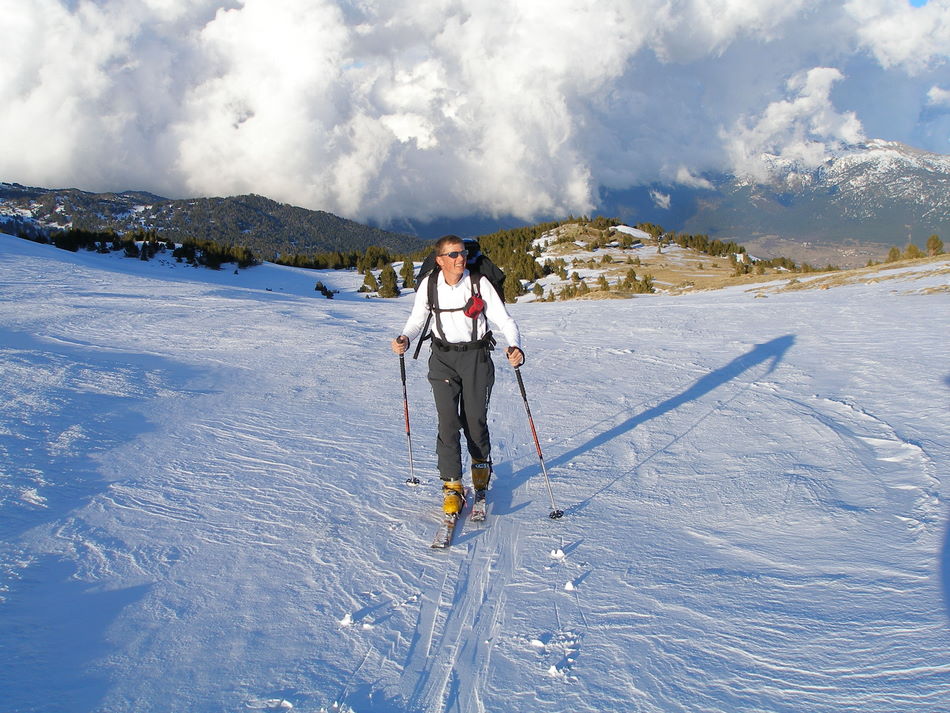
[(912, 252), (408, 274), (513, 289), (369, 283), (894, 254), (934, 245), (630, 280), (387, 282)]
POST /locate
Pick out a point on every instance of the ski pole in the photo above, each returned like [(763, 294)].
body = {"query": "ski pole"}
[(412, 479), (555, 513)]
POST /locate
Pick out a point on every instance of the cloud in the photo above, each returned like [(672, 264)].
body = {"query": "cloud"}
[(938, 96), (914, 38), (799, 130), (390, 109), (661, 200)]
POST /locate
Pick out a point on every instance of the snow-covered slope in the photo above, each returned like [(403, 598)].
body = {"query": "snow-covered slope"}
[(202, 501)]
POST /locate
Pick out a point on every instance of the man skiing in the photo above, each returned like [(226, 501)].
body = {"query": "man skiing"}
[(461, 371)]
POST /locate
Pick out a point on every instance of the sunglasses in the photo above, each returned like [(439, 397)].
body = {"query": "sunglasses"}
[(455, 253)]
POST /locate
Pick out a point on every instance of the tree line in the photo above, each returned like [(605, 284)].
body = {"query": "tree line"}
[(146, 244), (514, 250), (933, 247)]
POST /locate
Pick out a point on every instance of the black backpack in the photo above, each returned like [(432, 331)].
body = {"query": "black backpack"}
[(478, 264)]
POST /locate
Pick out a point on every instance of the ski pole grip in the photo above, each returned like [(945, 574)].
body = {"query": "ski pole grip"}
[(402, 367)]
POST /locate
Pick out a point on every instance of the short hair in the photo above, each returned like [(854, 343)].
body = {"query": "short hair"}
[(445, 241)]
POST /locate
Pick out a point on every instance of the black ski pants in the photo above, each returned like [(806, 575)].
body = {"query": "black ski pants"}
[(461, 384)]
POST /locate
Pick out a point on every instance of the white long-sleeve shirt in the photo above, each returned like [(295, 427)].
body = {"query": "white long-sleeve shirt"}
[(458, 327)]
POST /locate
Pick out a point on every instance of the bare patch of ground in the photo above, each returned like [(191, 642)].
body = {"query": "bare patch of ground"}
[(674, 270), (849, 254)]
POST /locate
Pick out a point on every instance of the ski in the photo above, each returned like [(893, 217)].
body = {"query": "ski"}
[(479, 507), (443, 536)]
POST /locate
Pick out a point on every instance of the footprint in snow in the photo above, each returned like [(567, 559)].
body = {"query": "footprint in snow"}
[(560, 652)]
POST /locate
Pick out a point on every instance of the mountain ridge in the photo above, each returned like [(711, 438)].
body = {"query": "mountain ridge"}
[(879, 191), (266, 226), (873, 194)]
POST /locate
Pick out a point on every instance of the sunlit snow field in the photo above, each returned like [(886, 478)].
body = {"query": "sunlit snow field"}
[(203, 507)]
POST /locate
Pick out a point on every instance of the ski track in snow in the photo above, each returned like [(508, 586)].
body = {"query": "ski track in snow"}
[(203, 507)]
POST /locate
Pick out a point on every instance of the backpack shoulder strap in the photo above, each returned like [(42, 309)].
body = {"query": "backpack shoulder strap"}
[(434, 300), (433, 291), (476, 279)]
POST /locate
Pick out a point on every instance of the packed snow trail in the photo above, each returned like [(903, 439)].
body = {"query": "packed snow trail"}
[(204, 506)]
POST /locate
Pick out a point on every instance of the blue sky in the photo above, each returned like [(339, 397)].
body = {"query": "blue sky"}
[(390, 109)]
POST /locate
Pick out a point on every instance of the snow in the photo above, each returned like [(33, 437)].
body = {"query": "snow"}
[(634, 232), (203, 501)]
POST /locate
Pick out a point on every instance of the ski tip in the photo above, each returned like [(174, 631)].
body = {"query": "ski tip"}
[(443, 538)]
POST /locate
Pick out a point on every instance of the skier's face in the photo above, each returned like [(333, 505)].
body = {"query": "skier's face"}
[(452, 267)]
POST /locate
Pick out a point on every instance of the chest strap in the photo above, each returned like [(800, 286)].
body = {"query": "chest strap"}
[(474, 279)]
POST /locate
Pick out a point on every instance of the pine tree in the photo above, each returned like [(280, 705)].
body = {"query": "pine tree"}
[(387, 280), (912, 252), (934, 245), (408, 274), (369, 283), (513, 289)]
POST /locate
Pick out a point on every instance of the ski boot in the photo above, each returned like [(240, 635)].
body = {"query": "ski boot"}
[(481, 474), (453, 496)]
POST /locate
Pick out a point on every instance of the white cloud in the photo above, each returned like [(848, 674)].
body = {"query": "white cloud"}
[(686, 177), (799, 130), (938, 96), (690, 30), (914, 38), (379, 109), (661, 200)]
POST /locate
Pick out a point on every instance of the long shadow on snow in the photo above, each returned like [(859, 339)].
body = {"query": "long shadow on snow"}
[(945, 554), (54, 627), (773, 351), (945, 569)]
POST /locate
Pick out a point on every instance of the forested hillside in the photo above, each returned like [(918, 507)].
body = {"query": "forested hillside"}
[(266, 227)]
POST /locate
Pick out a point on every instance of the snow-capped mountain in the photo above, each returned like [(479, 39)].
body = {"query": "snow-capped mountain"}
[(880, 191), (877, 192)]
